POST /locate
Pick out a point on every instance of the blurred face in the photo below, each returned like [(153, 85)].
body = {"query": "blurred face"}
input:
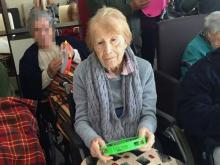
[(214, 39), (109, 48), (43, 33)]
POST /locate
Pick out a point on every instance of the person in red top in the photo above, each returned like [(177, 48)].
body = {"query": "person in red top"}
[(149, 16)]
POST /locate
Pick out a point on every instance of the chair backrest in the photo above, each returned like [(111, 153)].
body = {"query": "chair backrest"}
[(63, 13), (173, 37), (16, 17), (2, 25)]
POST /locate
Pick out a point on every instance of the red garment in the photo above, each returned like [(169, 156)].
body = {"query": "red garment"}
[(70, 31), (84, 16), (19, 143)]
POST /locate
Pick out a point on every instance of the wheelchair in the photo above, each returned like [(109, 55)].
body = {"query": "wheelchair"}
[(170, 139), (167, 76)]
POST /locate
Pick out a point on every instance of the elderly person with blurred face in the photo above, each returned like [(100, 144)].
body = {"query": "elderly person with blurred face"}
[(41, 60), (203, 43), (114, 90)]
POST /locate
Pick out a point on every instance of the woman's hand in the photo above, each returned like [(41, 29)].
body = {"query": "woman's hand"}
[(95, 151), (53, 67), (150, 139)]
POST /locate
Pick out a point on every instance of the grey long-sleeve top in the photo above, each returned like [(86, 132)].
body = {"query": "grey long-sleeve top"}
[(148, 115)]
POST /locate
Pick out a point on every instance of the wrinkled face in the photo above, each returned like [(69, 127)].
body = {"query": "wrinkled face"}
[(109, 48), (214, 39), (43, 33)]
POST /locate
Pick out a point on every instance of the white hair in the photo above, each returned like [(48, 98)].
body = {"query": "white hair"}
[(36, 14), (212, 23)]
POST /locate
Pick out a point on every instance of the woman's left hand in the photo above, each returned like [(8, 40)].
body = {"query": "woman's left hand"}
[(150, 139)]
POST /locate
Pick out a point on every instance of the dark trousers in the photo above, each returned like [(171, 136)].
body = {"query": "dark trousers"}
[(149, 37)]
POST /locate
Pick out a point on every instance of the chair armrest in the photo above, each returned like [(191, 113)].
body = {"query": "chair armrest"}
[(171, 135), (164, 120), (167, 92), (166, 117), (78, 142), (71, 135), (162, 76)]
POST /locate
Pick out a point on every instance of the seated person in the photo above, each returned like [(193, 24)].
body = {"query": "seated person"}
[(4, 83), (41, 61), (199, 104), (203, 43), (114, 90)]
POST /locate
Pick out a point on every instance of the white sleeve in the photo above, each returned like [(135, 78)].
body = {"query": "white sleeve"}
[(76, 57), (45, 79)]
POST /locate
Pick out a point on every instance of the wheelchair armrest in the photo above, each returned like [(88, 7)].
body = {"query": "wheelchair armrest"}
[(164, 77), (168, 129), (166, 117), (78, 142), (167, 92), (164, 120), (71, 135)]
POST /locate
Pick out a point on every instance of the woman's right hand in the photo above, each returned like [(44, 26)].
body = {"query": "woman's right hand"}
[(53, 67), (95, 151)]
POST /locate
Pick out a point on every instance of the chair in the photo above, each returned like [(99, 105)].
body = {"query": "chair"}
[(167, 75), (63, 13), (168, 134), (4, 47), (2, 25), (16, 17), (173, 37)]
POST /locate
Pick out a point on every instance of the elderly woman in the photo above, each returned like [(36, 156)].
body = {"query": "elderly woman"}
[(114, 90), (41, 60), (203, 43)]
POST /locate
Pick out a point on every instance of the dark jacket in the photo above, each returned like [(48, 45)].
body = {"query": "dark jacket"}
[(199, 105), (30, 72)]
